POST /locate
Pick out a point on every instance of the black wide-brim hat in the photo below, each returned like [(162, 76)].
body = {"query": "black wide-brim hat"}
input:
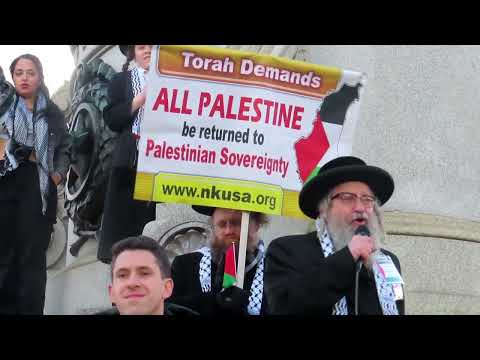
[(338, 171), (204, 210), (124, 49)]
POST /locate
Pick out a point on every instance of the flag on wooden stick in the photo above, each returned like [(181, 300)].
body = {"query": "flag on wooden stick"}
[(230, 272)]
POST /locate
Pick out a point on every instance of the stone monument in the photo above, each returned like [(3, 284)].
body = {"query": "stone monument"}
[(418, 120)]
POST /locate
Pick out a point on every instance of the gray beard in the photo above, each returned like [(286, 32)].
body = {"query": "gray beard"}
[(341, 236)]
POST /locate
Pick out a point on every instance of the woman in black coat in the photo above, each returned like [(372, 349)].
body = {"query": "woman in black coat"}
[(123, 215), (34, 158)]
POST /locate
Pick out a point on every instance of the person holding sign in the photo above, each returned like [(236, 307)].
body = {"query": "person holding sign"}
[(205, 279), (34, 158), (123, 215), (339, 269)]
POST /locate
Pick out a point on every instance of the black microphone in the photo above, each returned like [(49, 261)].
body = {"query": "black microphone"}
[(361, 230)]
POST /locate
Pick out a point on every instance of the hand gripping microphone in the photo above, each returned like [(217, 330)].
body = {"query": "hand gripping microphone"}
[(361, 230)]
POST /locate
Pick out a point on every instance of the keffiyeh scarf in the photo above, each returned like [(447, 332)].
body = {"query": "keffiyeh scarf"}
[(256, 290), (18, 122), (138, 83), (385, 291)]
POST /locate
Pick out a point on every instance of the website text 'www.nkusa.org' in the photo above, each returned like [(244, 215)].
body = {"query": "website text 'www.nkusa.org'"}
[(216, 195)]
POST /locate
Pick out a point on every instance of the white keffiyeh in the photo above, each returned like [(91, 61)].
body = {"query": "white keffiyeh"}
[(30, 130), (256, 290), (138, 83), (385, 291)]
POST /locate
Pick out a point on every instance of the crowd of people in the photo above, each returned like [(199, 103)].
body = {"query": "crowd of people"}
[(339, 269)]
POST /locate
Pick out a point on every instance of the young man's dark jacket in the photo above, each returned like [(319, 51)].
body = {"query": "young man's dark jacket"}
[(170, 309), (300, 280)]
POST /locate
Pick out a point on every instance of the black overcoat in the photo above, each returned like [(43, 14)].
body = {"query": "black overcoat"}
[(300, 280), (123, 215)]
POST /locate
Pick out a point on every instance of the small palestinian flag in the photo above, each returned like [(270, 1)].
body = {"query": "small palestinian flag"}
[(230, 272)]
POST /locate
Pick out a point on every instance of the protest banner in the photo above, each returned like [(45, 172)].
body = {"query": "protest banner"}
[(240, 130)]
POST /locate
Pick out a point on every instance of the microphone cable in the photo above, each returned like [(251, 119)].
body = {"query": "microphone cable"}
[(357, 276)]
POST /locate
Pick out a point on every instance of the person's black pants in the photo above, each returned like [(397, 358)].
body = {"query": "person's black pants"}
[(123, 216), (24, 238)]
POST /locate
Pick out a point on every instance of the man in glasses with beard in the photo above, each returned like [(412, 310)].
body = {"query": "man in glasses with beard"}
[(198, 276), (316, 273)]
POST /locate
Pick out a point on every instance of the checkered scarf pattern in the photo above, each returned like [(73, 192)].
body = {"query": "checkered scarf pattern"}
[(137, 89), (18, 113), (256, 290), (205, 271), (384, 290)]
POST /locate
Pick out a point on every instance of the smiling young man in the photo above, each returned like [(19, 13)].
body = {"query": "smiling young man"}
[(140, 274), (315, 273), (141, 279)]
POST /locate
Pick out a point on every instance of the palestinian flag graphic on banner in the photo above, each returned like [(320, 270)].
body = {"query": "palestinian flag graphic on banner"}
[(230, 272), (311, 151)]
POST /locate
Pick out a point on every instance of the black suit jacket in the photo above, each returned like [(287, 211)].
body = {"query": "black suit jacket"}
[(298, 279), (187, 290), (117, 115)]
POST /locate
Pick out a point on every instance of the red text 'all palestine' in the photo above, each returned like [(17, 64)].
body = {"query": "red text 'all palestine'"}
[(226, 158), (243, 108)]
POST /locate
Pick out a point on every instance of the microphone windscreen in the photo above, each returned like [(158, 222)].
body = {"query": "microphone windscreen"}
[(362, 230)]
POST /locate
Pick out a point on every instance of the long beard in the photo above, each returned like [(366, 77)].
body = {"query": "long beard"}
[(218, 251), (342, 233)]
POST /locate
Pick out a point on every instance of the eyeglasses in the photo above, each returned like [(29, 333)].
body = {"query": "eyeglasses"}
[(350, 199), (223, 224)]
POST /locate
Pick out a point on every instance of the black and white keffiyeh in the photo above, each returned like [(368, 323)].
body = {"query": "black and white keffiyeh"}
[(18, 121), (138, 83), (384, 290), (205, 269), (256, 290)]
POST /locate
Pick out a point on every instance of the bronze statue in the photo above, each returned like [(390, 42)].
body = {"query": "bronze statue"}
[(93, 143)]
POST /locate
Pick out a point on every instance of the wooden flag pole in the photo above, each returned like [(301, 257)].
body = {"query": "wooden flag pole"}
[(242, 251)]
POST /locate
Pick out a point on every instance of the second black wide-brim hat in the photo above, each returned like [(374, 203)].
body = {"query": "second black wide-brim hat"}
[(204, 210), (338, 171)]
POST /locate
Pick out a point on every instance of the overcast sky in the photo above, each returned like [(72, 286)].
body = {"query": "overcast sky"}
[(57, 62)]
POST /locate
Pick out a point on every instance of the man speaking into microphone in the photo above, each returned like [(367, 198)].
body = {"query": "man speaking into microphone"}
[(316, 273)]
